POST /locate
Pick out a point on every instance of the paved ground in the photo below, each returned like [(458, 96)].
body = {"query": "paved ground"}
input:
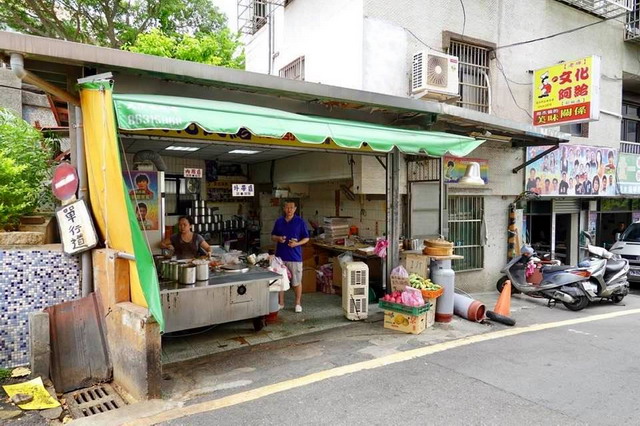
[(385, 392)]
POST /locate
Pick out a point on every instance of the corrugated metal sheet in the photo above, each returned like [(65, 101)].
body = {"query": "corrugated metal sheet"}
[(79, 356), (567, 206)]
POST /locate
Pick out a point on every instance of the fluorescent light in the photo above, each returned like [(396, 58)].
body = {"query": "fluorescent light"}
[(243, 151), (182, 148)]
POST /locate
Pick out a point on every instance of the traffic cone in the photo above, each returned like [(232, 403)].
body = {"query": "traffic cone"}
[(502, 309)]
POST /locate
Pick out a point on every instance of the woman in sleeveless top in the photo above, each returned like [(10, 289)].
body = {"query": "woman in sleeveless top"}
[(186, 244)]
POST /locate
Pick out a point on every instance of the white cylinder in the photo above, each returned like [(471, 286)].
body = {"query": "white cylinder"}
[(442, 274)]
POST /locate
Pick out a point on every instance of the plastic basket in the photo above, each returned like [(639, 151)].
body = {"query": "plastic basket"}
[(403, 309), (430, 294)]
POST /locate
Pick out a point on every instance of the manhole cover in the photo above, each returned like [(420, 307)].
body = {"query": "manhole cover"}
[(94, 400)]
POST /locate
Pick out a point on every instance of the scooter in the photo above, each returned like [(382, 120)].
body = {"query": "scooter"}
[(608, 280), (557, 283)]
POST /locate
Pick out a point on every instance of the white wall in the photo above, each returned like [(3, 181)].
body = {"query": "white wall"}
[(328, 33)]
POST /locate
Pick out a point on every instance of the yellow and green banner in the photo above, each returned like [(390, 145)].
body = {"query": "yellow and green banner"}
[(110, 203)]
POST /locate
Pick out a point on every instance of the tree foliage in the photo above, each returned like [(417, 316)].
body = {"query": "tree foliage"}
[(24, 167), (219, 48), (110, 23)]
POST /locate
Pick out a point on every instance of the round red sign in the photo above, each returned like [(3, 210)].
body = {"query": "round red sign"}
[(64, 182)]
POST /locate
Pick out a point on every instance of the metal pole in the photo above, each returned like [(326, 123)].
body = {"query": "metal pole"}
[(393, 211), (79, 161)]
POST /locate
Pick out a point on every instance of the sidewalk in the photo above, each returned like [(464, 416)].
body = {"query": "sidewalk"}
[(254, 366)]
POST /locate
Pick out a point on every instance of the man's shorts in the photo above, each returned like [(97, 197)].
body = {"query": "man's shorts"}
[(296, 272)]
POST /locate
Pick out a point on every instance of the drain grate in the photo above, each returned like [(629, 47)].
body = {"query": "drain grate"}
[(94, 400)]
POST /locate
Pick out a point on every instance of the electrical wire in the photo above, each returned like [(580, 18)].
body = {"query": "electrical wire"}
[(520, 43), (501, 69), (464, 18)]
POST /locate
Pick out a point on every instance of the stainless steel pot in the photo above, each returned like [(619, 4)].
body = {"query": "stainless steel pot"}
[(187, 274), (202, 270), (173, 271), (165, 269)]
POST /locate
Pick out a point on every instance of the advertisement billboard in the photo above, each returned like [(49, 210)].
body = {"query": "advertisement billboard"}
[(572, 170), (629, 174), (568, 92), (142, 187), (455, 167)]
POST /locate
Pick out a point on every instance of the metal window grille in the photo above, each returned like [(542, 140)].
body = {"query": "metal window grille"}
[(466, 214), (424, 170), (630, 147), (294, 70), (259, 14), (473, 75)]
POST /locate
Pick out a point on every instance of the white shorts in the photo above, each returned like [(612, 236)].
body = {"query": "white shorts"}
[(296, 272)]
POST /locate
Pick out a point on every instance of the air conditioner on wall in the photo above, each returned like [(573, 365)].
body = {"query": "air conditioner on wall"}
[(434, 75)]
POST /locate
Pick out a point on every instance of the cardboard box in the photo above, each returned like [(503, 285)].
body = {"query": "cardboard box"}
[(431, 313), (309, 280), (414, 324), (337, 272)]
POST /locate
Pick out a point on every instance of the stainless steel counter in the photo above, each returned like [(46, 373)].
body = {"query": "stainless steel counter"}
[(227, 296)]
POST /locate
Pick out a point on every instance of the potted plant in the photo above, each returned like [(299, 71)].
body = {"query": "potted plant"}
[(25, 162)]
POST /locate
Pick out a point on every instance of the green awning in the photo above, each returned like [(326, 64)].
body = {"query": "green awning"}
[(156, 112)]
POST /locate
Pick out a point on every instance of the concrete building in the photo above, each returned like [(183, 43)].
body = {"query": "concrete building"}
[(369, 45)]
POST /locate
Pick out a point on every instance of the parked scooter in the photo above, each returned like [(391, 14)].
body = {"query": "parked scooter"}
[(608, 270), (558, 283)]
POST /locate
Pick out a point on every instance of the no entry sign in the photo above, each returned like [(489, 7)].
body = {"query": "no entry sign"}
[(65, 182)]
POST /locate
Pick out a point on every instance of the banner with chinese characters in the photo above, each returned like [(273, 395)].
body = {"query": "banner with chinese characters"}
[(629, 174), (455, 168), (572, 170), (142, 187), (242, 190), (567, 93), (76, 228)]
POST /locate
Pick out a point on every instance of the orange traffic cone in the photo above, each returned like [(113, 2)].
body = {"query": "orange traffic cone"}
[(502, 309)]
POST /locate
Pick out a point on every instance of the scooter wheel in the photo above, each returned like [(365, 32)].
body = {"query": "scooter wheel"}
[(500, 285), (578, 305), (501, 318), (617, 298)]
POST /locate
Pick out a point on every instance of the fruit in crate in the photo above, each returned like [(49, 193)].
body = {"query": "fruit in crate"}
[(395, 297), (421, 283)]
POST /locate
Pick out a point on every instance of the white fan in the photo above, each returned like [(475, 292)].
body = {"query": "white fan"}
[(437, 71)]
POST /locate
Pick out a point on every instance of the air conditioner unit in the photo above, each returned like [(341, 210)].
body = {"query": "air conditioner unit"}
[(355, 290), (434, 74)]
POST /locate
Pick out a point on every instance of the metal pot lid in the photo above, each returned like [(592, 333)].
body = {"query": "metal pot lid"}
[(235, 268)]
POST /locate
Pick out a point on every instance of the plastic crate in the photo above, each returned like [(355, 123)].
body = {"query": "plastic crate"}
[(403, 309)]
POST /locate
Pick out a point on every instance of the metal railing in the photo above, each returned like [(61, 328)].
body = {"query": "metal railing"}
[(602, 8), (632, 24), (466, 215), (294, 70)]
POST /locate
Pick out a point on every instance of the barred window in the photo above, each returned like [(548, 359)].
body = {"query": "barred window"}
[(294, 70), (473, 73), (466, 215), (259, 14)]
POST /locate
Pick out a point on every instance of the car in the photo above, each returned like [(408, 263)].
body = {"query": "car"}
[(628, 247)]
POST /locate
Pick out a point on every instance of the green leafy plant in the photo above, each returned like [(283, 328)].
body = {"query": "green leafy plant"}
[(222, 48), (5, 373), (24, 167)]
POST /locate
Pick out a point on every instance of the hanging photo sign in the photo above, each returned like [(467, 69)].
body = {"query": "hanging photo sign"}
[(572, 170), (628, 174), (455, 168), (567, 93), (76, 228), (242, 189), (142, 187)]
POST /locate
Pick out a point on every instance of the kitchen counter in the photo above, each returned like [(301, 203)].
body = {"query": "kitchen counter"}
[(255, 273)]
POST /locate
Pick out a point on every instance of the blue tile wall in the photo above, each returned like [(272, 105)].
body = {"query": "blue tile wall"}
[(31, 280)]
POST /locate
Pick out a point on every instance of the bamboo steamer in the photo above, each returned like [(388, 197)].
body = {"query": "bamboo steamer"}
[(438, 247)]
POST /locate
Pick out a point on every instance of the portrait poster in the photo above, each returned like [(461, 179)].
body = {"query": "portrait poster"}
[(572, 170), (142, 187), (455, 167)]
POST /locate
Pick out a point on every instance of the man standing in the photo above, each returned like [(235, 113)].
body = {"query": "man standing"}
[(289, 233)]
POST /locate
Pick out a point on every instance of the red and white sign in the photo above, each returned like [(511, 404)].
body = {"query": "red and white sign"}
[(64, 183), (192, 173)]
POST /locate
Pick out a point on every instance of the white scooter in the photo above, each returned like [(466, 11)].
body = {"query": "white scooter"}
[(608, 280)]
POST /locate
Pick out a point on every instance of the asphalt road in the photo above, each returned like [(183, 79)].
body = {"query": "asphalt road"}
[(579, 374)]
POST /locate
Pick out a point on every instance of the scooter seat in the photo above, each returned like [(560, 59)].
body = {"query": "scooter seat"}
[(556, 268), (615, 265)]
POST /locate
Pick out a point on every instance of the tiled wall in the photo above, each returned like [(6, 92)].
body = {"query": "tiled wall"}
[(30, 280), (368, 215)]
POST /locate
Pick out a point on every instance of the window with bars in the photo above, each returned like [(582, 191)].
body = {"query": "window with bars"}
[(466, 215), (473, 72), (630, 124), (259, 14), (294, 70)]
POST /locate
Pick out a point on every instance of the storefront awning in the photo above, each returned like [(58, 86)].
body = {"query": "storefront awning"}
[(155, 112)]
